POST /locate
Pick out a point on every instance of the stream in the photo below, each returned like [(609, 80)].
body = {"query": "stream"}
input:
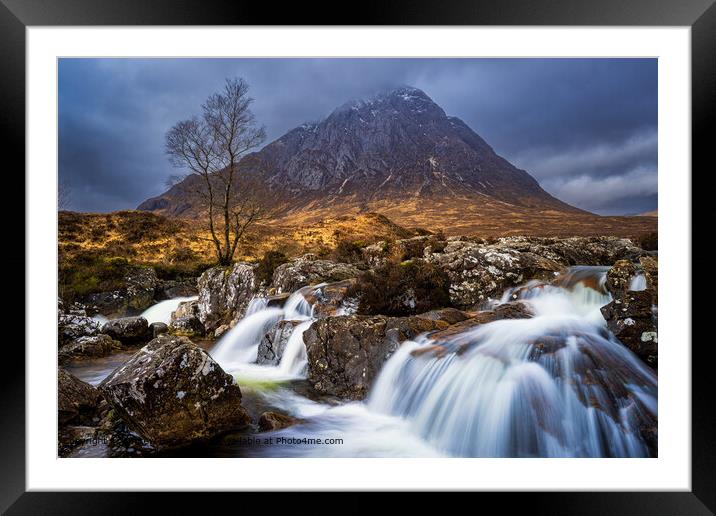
[(555, 385)]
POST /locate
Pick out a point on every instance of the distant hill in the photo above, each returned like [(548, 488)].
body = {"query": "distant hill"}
[(653, 213)]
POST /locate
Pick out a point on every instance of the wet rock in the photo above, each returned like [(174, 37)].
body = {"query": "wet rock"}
[(330, 300), (157, 328), (224, 294), (273, 344), (90, 346), (71, 327), (77, 402), (185, 320), (269, 421), (619, 278), (189, 326), (172, 393), (71, 437), (631, 319), (136, 296), (511, 310), (448, 315), (127, 330), (345, 353), (309, 270), (277, 300), (186, 309), (650, 266)]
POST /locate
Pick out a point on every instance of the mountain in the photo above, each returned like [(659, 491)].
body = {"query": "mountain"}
[(395, 153)]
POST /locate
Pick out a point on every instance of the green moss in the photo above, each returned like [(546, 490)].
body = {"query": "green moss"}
[(259, 385)]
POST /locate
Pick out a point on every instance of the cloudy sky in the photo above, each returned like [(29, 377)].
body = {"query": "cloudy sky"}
[(586, 129)]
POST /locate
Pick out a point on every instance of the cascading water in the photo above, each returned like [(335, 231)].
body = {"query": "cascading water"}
[(638, 282), (162, 311), (237, 350), (555, 385)]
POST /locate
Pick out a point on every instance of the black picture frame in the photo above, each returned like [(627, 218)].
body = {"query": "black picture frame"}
[(16, 15)]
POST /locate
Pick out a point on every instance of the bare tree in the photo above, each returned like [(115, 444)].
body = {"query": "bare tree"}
[(210, 147), (64, 196)]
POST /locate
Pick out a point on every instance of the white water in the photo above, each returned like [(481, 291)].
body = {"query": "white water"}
[(555, 385), (638, 282), (162, 311), (237, 350)]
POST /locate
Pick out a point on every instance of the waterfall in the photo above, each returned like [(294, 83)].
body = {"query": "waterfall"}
[(162, 311), (555, 385), (638, 282), (237, 350)]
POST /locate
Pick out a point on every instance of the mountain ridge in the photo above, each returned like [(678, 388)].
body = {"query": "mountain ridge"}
[(396, 153)]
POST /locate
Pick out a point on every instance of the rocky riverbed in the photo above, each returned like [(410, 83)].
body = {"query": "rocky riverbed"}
[(549, 343)]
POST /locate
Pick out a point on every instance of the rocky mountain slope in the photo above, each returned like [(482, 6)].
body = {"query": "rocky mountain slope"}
[(396, 153)]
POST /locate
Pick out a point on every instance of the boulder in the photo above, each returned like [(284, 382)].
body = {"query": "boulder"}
[(270, 421), (137, 295), (330, 300), (345, 353), (185, 320), (127, 330), (187, 326), (224, 294), (157, 328), (71, 327), (309, 270), (478, 271), (89, 346), (186, 309), (274, 342), (598, 250), (172, 393), (631, 319), (619, 278), (77, 402), (650, 266)]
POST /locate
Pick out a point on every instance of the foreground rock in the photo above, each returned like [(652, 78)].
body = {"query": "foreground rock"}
[(270, 421), (172, 393), (127, 330), (71, 327), (632, 315), (309, 270), (631, 319), (137, 294), (224, 294), (273, 344), (77, 402), (345, 353), (90, 346)]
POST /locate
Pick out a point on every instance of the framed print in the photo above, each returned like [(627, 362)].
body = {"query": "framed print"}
[(440, 249)]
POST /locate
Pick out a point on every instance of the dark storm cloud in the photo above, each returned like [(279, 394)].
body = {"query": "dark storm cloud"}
[(585, 128)]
